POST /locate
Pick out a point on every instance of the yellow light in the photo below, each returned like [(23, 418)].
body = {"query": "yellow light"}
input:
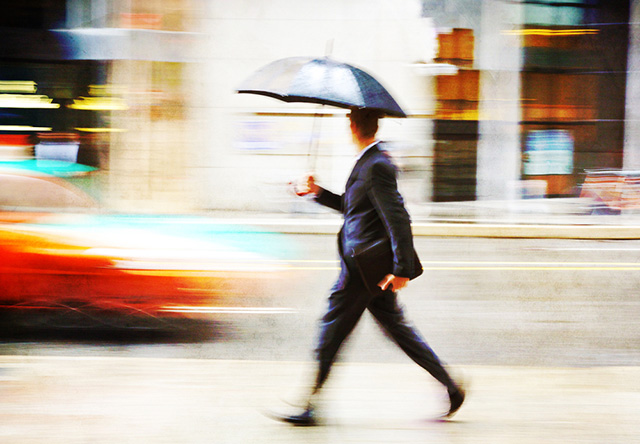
[(101, 130), (26, 101), (23, 128), (18, 86), (551, 32), (99, 104)]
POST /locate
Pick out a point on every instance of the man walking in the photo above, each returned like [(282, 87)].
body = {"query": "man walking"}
[(373, 210)]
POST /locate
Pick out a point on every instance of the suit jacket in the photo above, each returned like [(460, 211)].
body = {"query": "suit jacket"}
[(373, 209)]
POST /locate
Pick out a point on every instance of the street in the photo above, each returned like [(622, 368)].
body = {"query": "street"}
[(544, 331), (479, 302)]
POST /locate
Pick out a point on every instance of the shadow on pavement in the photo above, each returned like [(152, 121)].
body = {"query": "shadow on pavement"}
[(107, 329)]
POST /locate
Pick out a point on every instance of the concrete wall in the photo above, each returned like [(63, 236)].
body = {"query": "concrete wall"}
[(632, 111), (499, 60)]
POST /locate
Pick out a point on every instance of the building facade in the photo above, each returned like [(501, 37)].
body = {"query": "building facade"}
[(506, 99)]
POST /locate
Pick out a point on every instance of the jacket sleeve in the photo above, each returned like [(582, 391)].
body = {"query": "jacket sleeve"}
[(384, 194), (329, 199)]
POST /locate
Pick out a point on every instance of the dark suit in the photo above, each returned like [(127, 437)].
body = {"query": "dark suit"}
[(372, 209)]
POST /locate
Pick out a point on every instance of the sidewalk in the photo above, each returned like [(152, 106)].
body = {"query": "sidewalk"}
[(532, 218), (68, 400)]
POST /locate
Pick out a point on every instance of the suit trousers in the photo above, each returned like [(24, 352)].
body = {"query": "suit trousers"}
[(347, 302)]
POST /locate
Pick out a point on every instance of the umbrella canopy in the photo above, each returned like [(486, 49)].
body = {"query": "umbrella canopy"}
[(321, 80)]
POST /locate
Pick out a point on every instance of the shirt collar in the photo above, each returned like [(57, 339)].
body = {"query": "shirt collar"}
[(361, 153)]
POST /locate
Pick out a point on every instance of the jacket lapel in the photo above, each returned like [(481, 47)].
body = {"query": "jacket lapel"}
[(358, 166)]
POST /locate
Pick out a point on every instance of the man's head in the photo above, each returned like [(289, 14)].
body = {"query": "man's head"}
[(364, 122)]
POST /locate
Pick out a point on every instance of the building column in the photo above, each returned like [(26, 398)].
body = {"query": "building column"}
[(499, 58), (631, 148)]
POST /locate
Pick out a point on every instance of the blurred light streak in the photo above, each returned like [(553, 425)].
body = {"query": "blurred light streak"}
[(99, 104), (587, 248), (558, 264), (162, 268), (24, 128), (551, 32), (229, 310), (498, 266), (435, 69), (27, 101), (101, 130), (18, 86), (519, 268)]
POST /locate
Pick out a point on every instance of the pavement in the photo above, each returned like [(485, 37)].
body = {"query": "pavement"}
[(563, 218), (94, 399), (145, 400)]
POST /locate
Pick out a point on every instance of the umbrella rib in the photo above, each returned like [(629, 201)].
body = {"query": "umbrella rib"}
[(357, 75)]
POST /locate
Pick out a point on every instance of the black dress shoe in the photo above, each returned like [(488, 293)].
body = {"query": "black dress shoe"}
[(456, 398), (304, 419)]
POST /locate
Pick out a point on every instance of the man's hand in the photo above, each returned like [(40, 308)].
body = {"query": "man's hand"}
[(306, 185), (395, 282)]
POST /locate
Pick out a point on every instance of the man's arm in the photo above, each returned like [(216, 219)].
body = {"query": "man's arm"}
[(383, 191), (329, 199), (322, 196)]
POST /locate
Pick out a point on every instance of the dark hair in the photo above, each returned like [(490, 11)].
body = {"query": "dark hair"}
[(365, 120)]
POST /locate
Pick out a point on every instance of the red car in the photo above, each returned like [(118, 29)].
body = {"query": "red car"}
[(91, 268)]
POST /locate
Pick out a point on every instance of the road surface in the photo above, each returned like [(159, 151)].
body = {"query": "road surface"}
[(545, 333)]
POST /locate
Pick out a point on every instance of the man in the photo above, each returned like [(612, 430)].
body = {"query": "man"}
[(372, 209)]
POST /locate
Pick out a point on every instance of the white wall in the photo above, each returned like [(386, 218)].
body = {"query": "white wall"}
[(382, 36)]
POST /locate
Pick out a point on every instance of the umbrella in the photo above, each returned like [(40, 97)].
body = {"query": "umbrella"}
[(323, 81)]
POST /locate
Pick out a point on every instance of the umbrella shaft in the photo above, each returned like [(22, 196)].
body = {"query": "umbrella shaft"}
[(314, 143)]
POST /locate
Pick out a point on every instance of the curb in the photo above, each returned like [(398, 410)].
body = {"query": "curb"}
[(460, 229), (528, 231)]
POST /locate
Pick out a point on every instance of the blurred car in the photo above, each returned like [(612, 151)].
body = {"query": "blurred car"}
[(65, 262), (612, 191)]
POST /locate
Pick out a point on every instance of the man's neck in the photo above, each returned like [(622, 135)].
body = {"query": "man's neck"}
[(363, 143)]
